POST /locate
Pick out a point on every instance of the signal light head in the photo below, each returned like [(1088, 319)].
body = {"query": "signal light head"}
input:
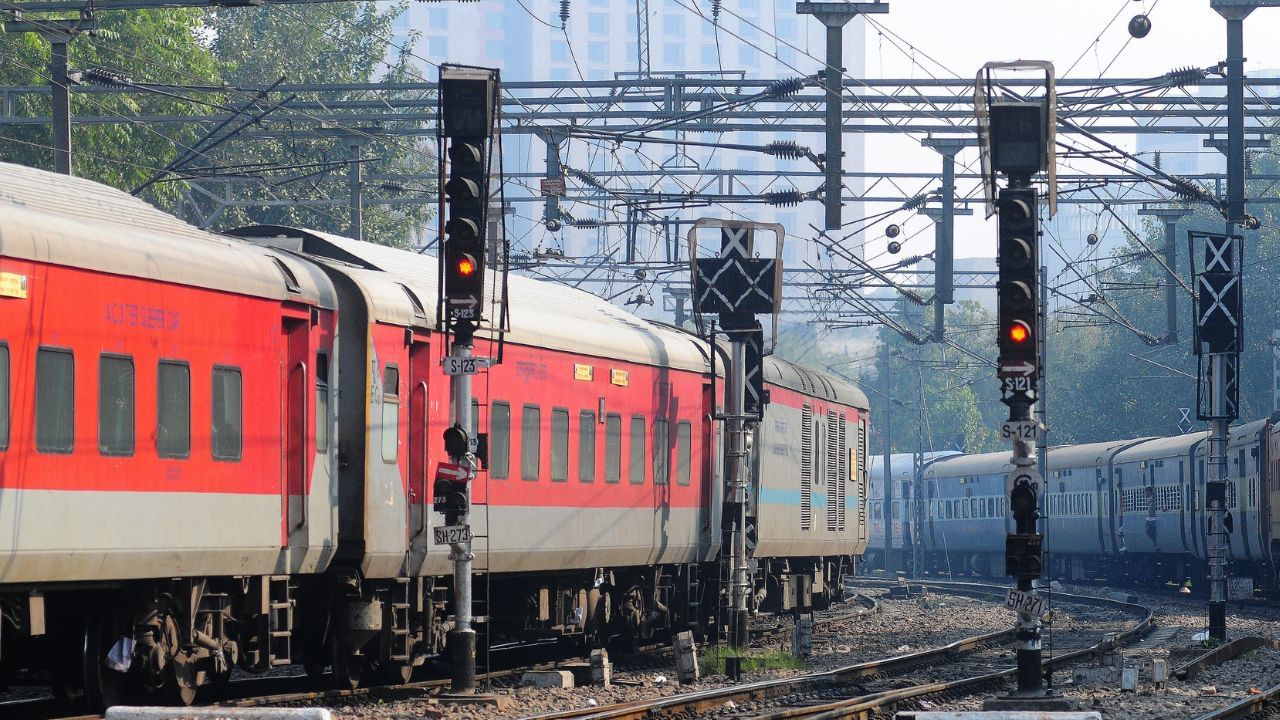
[(465, 266), (1019, 333)]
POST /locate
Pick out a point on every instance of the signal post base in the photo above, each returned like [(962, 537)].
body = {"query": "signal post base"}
[(501, 703), (1042, 702)]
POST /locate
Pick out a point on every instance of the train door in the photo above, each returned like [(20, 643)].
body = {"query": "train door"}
[(709, 505), (293, 487), (418, 443)]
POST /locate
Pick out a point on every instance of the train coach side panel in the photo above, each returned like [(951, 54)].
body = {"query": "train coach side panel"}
[(142, 431), (810, 488), (593, 462)]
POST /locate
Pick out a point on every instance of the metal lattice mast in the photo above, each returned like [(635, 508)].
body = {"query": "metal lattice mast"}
[(642, 37)]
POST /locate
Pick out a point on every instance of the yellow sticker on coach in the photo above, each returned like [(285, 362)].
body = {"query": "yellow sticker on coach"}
[(13, 285), (583, 372), (619, 377)]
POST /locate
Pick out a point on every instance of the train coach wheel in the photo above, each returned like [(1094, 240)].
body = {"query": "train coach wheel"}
[(397, 673), (182, 688), (347, 668), (103, 687)]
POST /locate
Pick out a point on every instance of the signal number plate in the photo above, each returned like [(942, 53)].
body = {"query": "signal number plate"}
[(1025, 430), (1017, 383), (464, 365), (452, 534), (1020, 601)]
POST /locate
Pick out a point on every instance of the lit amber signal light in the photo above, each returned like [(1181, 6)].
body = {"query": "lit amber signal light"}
[(1019, 333), (466, 266)]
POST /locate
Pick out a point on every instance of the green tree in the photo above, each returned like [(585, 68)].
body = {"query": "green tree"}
[(939, 392), (1107, 382), (334, 44), (163, 46)]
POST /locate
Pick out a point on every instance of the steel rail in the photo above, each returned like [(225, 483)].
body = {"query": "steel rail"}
[(864, 705), (1244, 707), (764, 689)]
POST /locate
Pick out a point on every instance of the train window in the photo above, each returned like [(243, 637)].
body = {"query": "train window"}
[(559, 444), (636, 470), (115, 405), (499, 440), (613, 448), (390, 413), (173, 409), (4, 396), (322, 402), (896, 510), (991, 507), (55, 400), (661, 452), (474, 430), (587, 446), (684, 440), (228, 413), (964, 509), (530, 441)]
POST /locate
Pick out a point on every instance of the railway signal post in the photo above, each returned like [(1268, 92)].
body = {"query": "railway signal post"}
[(1219, 336), (1017, 140), (467, 124), (738, 286)]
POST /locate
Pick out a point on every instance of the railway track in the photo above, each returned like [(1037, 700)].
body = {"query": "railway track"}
[(846, 692), (656, 656), (1247, 707)]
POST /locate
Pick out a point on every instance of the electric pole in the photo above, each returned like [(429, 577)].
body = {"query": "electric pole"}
[(834, 16), (59, 34)]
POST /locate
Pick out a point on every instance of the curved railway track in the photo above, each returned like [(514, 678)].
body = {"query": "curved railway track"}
[(1247, 707), (842, 693)]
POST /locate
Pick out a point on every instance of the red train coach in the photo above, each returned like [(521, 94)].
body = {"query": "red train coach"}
[(152, 426), (598, 487), (216, 453)]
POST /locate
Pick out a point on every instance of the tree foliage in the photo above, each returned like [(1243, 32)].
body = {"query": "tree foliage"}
[(341, 42), (1107, 382), (940, 396), (164, 46), (327, 44), (215, 62)]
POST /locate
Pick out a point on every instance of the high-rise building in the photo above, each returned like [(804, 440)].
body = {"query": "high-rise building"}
[(530, 40)]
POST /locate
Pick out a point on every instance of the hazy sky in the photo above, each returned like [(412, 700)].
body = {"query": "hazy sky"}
[(1080, 38), (964, 35)]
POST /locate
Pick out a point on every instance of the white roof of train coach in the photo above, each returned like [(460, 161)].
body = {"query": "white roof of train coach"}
[(1086, 455), (73, 222), (543, 314), (903, 464), (1160, 447), (991, 463)]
